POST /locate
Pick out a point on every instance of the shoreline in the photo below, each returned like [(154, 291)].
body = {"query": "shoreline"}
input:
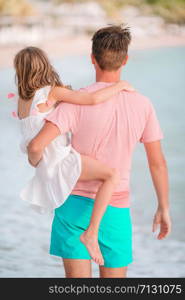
[(60, 47)]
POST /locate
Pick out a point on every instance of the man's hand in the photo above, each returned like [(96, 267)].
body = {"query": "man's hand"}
[(34, 153), (162, 219), (33, 165), (36, 147)]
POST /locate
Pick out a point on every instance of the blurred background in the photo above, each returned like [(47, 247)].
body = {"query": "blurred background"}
[(156, 68)]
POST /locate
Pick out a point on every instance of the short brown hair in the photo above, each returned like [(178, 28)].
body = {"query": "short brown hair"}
[(33, 71), (110, 46)]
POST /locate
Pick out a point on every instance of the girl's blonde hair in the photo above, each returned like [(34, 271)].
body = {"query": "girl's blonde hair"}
[(33, 71)]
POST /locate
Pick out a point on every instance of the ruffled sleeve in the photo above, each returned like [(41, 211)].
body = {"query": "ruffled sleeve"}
[(41, 96)]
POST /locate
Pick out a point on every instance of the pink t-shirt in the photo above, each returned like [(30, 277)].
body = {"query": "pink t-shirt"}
[(109, 132)]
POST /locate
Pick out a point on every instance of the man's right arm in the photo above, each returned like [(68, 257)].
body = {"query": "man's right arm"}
[(63, 119)]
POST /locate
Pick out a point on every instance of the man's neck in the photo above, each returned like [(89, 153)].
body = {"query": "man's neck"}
[(105, 76)]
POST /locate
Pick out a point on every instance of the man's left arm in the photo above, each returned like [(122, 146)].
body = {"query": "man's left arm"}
[(36, 147), (151, 137)]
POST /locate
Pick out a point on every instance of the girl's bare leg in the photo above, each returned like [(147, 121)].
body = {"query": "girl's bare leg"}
[(93, 170)]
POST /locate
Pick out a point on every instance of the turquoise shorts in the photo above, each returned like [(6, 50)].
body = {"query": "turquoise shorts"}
[(115, 233)]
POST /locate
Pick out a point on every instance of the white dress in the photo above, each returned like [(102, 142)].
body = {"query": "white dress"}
[(60, 168)]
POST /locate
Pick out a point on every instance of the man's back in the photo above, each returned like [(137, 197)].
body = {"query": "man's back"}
[(109, 132)]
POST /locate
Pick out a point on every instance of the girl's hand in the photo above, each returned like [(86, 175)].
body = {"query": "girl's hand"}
[(162, 219), (126, 86)]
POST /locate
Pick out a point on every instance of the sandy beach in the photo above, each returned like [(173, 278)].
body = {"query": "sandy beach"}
[(66, 29), (70, 30), (81, 45)]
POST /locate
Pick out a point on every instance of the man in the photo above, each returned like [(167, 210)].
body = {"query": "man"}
[(108, 132)]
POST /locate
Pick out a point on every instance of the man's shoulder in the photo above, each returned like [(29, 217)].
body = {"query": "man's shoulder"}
[(66, 107), (138, 98), (92, 87)]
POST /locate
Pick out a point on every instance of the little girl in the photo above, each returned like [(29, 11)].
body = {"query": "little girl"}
[(40, 90)]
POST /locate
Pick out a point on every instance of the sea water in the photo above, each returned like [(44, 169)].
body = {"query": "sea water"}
[(24, 235)]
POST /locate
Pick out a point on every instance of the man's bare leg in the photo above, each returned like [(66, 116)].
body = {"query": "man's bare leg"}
[(77, 268), (113, 272)]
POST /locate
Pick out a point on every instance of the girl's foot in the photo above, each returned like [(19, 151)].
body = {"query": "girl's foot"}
[(92, 246)]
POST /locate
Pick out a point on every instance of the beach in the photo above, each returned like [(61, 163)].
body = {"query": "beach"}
[(63, 46), (67, 29), (156, 70), (25, 235)]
